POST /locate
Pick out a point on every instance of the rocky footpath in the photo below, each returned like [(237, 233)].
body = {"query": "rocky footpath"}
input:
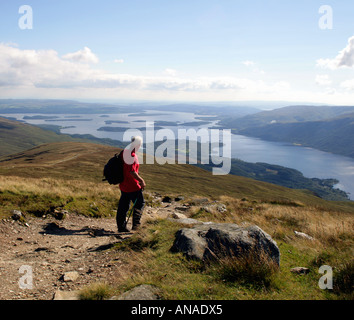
[(65, 252), (64, 255)]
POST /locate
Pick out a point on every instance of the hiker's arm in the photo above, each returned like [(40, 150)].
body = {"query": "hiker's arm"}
[(136, 176)]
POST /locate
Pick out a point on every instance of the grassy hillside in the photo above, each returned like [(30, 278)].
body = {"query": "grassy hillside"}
[(333, 135), (16, 136), (68, 175), (67, 161), (231, 280)]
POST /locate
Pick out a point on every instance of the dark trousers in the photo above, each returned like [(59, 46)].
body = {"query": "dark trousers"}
[(124, 204)]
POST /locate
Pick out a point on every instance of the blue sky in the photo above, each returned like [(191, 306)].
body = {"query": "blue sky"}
[(196, 50)]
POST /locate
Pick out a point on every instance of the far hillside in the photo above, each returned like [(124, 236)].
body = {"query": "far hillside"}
[(333, 135), (291, 114), (16, 136), (329, 129)]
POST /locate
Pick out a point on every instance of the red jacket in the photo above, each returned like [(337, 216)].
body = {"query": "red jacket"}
[(130, 184)]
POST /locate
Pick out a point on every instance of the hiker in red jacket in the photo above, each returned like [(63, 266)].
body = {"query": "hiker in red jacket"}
[(131, 188)]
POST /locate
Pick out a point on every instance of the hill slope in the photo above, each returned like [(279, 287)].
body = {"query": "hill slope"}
[(333, 135), (67, 175), (290, 114), (16, 136), (85, 161)]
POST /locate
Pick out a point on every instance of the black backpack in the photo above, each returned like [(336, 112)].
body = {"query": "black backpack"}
[(113, 170)]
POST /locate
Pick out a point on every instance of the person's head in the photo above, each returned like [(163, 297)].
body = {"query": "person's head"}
[(136, 143)]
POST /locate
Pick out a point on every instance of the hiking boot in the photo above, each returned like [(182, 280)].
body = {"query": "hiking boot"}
[(136, 227), (123, 229)]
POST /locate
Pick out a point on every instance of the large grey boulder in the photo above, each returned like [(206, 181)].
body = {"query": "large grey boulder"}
[(217, 240)]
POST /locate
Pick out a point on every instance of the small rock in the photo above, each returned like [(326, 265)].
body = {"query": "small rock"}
[(142, 292), (66, 295), (221, 208), (70, 276), (183, 208), (303, 235), (16, 215), (176, 215), (60, 214), (300, 270), (179, 198), (167, 199)]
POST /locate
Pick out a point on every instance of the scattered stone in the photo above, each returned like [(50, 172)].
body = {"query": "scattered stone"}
[(167, 199), (221, 208), (142, 292), (17, 215), (207, 241), (66, 295), (176, 215), (300, 270), (70, 276), (90, 270), (60, 214), (303, 235), (212, 207), (184, 208)]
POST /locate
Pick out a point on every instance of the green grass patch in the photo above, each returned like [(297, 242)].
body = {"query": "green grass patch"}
[(96, 291), (251, 278)]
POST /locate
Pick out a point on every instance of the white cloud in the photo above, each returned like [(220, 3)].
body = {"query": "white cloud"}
[(345, 58), (85, 56), (253, 66), (119, 61), (45, 73), (348, 84), (248, 63), (170, 72), (323, 80)]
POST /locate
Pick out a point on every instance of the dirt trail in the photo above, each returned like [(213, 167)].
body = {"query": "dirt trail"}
[(51, 248)]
